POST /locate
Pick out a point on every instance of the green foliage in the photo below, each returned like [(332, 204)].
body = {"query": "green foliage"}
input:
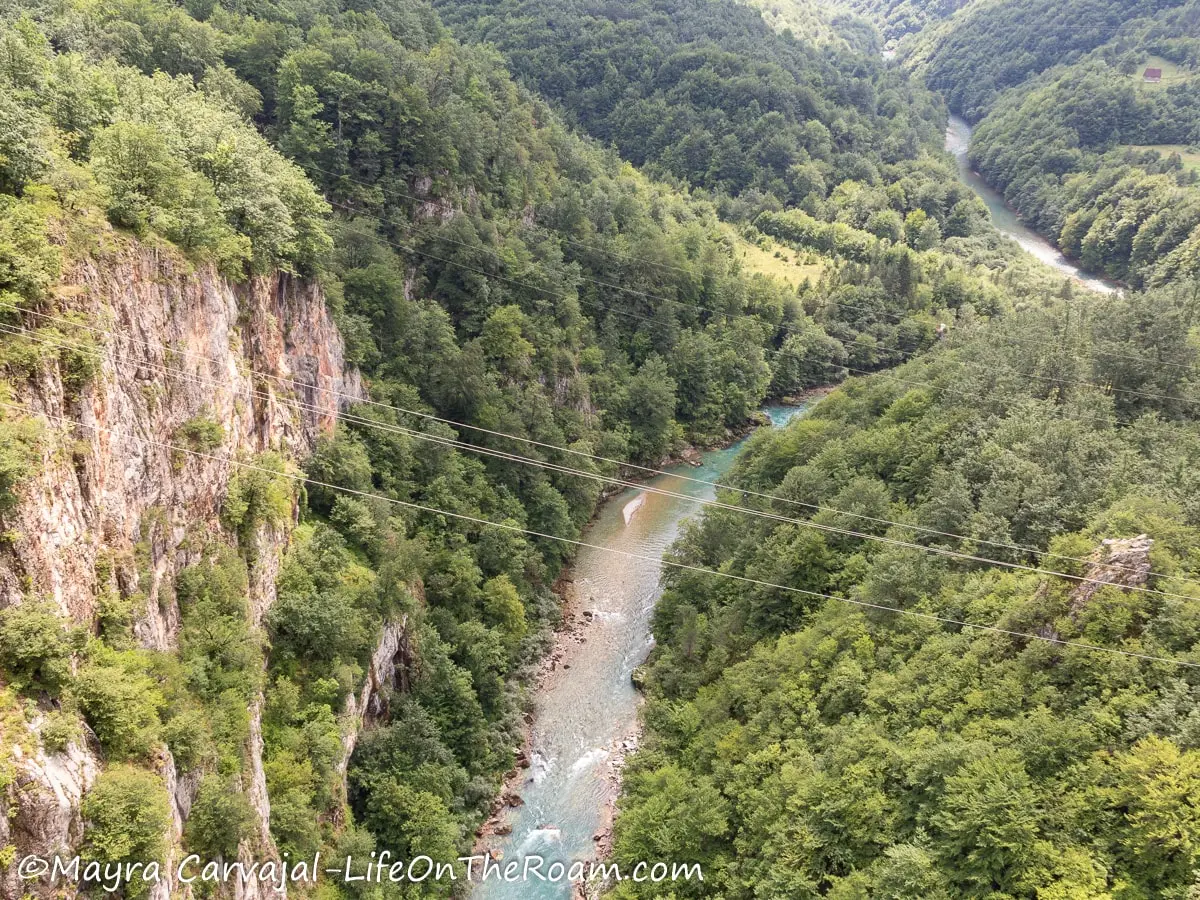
[(201, 432), (487, 266), (23, 156), (120, 702), (705, 92), (220, 656), (503, 608), (126, 820), (187, 735), (59, 731), (258, 494), (220, 818), (405, 766), (29, 262), (897, 18), (651, 402), (682, 819), (910, 759), (340, 460), (317, 621), (994, 46), (168, 159), (799, 227), (19, 452), (1068, 129), (35, 647)]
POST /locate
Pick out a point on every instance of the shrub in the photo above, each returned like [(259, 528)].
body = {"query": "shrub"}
[(29, 263), (258, 496), (121, 705), (189, 739), (220, 818), (126, 818), (201, 432), (35, 647), (59, 730)]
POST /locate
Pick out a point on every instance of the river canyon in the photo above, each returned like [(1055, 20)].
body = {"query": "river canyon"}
[(585, 716)]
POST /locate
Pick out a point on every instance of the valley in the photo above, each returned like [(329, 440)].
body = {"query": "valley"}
[(378, 463)]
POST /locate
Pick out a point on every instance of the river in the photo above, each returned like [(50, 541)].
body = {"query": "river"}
[(958, 138), (586, 709)]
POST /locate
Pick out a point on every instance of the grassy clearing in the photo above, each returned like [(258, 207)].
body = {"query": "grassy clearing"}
[(1189, 155), (778, 261), (805, 19), (1171, 73)]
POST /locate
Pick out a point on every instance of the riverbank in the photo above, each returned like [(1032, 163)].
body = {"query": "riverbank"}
[(1006, 220), (693, 454), (559, 801)]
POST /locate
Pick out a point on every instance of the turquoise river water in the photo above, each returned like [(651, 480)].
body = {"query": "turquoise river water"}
[(958, 139), (584, 713)]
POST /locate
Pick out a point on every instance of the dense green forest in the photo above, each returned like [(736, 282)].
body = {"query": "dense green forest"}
[(990, 47), (486, 265), (556, 254), (801, 747), (819, 24), (897, 18), (454, 298), (1087, 150), (706, 93)]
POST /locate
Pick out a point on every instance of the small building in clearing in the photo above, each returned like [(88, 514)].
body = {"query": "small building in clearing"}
[(1152, 76)]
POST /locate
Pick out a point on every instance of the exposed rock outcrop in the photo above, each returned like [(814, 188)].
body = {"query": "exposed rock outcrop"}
[(114, 504), (1124, 562), (387, 672)]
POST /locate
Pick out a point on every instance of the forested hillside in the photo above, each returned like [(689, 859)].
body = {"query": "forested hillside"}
[(705, 92), (822, 149), (990, 47), (897, 18), (485, 266), (870, 747), (1088, 147), (819, 24), (566, 263)]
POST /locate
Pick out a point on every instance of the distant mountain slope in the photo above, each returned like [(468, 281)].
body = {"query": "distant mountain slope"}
[(993, 45), (1087, 110), (819, 23), (896, 18), (705, 91)]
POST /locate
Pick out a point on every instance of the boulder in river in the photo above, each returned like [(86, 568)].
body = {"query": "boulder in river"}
[(638, 677)]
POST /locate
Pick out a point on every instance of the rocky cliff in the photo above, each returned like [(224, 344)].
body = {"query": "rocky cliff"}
[(115, 505)]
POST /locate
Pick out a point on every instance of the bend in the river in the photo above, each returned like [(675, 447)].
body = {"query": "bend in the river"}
[(1004, 217)]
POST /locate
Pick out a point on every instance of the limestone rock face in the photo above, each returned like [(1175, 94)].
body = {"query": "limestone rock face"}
[(1124, 562), (388, 671), (115, 504)]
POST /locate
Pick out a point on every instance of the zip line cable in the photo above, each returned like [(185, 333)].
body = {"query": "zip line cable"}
[(995, 629), (619, 463), (171, 372), (460, 425), (616, 462)]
